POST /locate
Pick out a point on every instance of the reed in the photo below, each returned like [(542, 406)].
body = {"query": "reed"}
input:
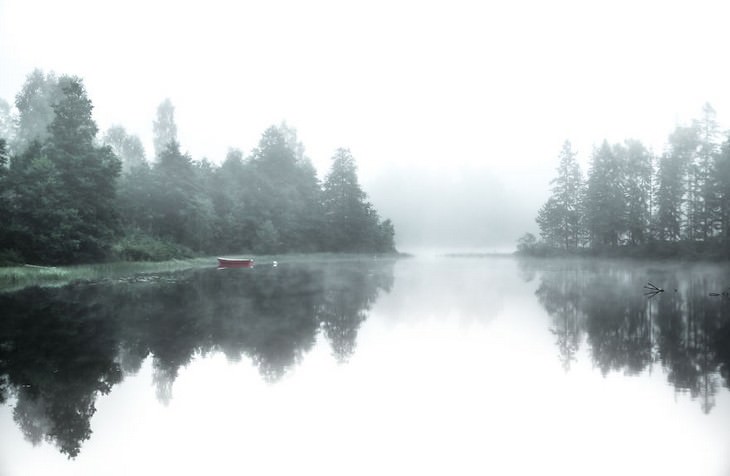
[(16, 277)]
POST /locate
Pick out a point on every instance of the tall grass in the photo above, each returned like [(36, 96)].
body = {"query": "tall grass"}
[(16, 277)]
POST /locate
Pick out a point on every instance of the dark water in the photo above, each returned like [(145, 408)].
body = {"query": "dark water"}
[(417, 366)]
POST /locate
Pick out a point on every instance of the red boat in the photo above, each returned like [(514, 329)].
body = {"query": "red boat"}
[(235, 262)]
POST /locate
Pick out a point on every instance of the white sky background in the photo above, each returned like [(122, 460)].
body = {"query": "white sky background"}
[(452, 88)]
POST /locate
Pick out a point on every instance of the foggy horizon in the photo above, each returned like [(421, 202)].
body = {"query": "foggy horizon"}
[(413, 90), (368, 238)]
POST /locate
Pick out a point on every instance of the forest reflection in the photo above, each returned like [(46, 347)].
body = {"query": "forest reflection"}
[(62, 347), (684, 329)]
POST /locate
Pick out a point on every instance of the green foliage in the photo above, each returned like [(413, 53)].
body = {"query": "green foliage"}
[(284, 190), (62, 189), (267, 238), (721, 224), (64, 198), (352, 225), (10, 258), (559, 218), (137, 246), (638, 187), (605, 204), (127, 147), (681, 208)]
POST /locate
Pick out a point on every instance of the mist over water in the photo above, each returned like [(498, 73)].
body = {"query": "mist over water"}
[(432, 364), (464, 208)]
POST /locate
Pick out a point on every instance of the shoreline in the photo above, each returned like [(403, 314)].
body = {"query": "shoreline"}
[(14, 278)]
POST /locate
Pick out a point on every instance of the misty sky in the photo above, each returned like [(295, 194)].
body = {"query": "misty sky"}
[(436, 100)]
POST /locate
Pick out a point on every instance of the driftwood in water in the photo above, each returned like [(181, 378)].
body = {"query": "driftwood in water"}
[(653, 288)]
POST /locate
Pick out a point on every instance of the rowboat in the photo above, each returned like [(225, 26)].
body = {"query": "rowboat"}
[(235, 262)]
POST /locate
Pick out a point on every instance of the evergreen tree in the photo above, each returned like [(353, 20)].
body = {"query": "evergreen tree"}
[(722, 167), (638, 188), (63, 189), (136, 188), (560, 218), (669, 197), (285, 192), (88, 173), (235, 225), (683, 147), (705, 208), (385, 241), (349, 216), (175, 202), (605, 204), (39, 225), (549, 217)]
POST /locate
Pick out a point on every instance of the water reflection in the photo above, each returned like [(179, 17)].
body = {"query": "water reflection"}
[(684, 329), (62, 347)]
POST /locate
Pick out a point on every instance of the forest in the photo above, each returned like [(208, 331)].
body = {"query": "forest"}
[(69, 194), (635, 203)]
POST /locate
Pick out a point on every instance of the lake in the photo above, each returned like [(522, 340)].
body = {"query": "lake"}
[(424, 365)]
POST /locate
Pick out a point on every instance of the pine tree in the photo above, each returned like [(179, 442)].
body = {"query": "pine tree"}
[(560, 218), (87, 172), (567, 189), (605, 203), (683, 147), (637, 177), (350, 221), (179, 211), (285, 191), (705, 209), (722, 190), (669, 197)]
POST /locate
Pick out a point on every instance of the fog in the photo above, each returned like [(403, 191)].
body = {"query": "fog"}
[(459, 209), (455, 113)]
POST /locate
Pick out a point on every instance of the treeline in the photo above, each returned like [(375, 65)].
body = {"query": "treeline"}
[(635, 203), (70, 195)]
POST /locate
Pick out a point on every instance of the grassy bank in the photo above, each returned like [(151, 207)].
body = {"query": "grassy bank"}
[(17, 277)]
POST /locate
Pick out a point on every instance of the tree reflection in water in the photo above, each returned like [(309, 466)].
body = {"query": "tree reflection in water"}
[(62, 347), (684, 329)]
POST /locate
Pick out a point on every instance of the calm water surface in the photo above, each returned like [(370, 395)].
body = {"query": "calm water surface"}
[(449, 365)]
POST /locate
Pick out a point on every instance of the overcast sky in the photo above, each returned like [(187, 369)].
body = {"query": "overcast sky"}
[(419, 86)]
